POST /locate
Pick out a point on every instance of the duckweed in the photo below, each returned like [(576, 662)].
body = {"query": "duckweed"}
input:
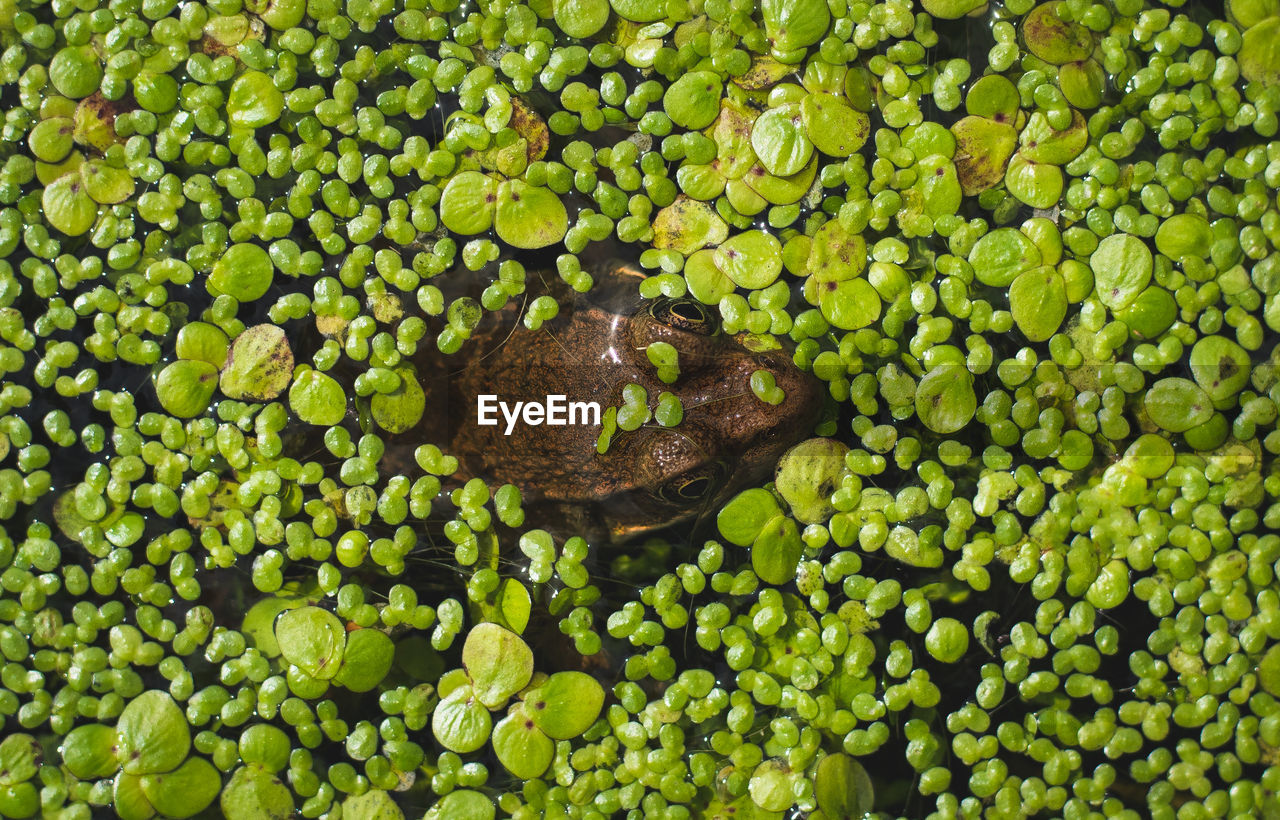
[(1029, 549)]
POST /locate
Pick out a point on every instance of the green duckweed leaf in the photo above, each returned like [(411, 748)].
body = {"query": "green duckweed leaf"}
[(88, 751), (468, 202), (245, 273), (152, 735), (808, 474), (253, 793), (460, 722), (693, 100), (1259, 55), (254, 101), (849, 305), (565, 705), (998, 257), (947, 10), (20, 756), (938, 185), (842, 787), (983, 148), (1220, 366), (945, 401), (1041, 143), (1150, 456), (316, 398), (375, 804), (776, 551), (1184, 236), (836, 253), (1053, 39), (529, 217), (366, 661), (185, 791), (947, 640), (687, 225), (128, 800), (462, 804), (1269, 671), (498, 662), (75, 71), (993, 97), (779, 140), (581, 18), (752, 259), (834, 126), (1149, 315), (1122, 266), (67, 207), (401, 409), (523, 748), (265, 745), (259, 364), (104, 184), (1177, 404), (707, 283), (742, 519), (312, 639), (794, 24), (1033, 183), (185, 388), (203, 342), (51, 140), (639, 11), (771, 785), (1038, 302)]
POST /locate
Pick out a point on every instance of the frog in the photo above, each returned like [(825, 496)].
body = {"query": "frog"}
[(644, 480)]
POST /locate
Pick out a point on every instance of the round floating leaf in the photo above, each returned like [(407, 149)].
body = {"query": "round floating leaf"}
[(834, 126), (1038, 302), (75, 71), (945, 401), (1220, 366), (746, 514), (157, 93), (529, 217), (1083, 83), (938, 185), (771, 785), (184, 388), (836, 254), (203, 342), (498, 661), (67, 207), (316, 398), (20, 756), (185, 791), (467, 203), (152, 735), (104, 184), (752, 259), (693, 101), (265, 745), (993, 97), (1042, 143), (1032, 183), (1150, 456), (1184, 236), (581, 18), (947, 10), (88, 751), (1177, 404), (808, 474), (1269, 671), (794, 24), (776, 551), (244, 272), (842, 787), (460, 722), (366, 661), (707, 283), (462, 804), (127, 798), (849, 305), (1152, 313), (512, 606), (51, 140), (1259, 55), (1122, 267), (374, 804), (779, 140), (259, 365), (401, 409), (687, 225), (639, 11), (947, 640), (565, 705), (778, 190), (281, 15), (998, 257), (253, 793), (254, 101), (523, 748), (1054, 39), (312, 639)]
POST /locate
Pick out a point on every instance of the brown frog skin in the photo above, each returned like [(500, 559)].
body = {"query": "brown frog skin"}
[(648, 478)]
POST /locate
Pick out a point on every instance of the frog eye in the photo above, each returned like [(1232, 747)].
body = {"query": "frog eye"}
[(684, 314), (692, 486)]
